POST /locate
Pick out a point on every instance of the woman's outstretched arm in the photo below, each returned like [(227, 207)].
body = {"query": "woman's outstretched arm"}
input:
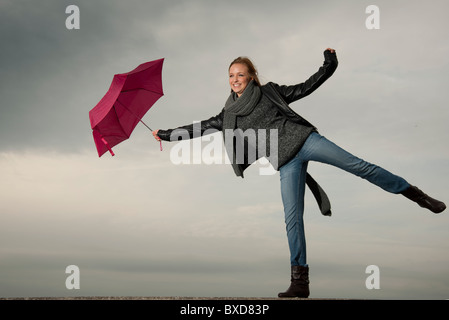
[(296, 92), (191, 131)]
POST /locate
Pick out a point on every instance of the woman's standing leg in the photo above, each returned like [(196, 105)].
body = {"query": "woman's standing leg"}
[(293, 181)]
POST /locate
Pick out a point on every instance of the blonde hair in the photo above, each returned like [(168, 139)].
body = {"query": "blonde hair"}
[(251, 68)]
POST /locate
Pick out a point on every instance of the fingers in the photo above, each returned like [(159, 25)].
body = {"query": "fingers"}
[(331, 50), (155, 135)]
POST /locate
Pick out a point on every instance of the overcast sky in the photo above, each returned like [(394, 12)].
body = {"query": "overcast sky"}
[(138, 225)]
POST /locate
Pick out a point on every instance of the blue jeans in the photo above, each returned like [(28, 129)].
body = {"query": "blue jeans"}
[(293, 182)]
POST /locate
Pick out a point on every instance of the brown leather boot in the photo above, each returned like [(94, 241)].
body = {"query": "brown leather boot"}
[(299, 287), (416, 195)]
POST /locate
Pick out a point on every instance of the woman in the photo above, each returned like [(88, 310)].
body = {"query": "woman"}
[(255, 106)]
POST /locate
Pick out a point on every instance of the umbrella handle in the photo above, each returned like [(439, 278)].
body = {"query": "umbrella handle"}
[(160, 142), (107, 145)]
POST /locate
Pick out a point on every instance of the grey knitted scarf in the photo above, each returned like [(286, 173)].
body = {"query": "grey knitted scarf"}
[(238, 106)]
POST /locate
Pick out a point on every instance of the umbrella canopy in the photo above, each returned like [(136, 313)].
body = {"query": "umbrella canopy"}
[(129, 97)]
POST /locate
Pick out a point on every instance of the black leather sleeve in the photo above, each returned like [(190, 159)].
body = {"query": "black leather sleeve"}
[(296, 92), (190, 131)]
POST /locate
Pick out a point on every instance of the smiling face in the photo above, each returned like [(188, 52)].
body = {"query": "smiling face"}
[(239, 78)]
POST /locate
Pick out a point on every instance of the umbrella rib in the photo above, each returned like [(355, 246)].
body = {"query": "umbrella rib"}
[(134, 115)]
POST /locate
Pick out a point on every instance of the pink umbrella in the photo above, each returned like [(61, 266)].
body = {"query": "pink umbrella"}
[(129, 97)]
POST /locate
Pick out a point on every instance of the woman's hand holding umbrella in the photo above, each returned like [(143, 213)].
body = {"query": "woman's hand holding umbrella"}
[(156, 136)]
